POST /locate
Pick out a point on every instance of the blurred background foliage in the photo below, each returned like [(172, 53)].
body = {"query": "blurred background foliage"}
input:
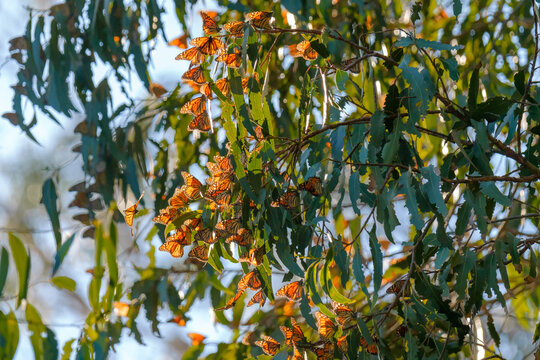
[(420, 119)]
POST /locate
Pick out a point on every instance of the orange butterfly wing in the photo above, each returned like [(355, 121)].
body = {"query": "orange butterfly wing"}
[(292, 335), (166, 216), (251, 280), (343, 313), (224, 86), (210, 26), (180, 42), (343, 344), (372, 349), (181, 237), (313, 185), (325, 326), (173, 247), (206, 236), (258, 298), (268, 345), (130, 213), (397, 286), (260, 19), (200, 253), (195, 74), (193, 54), (179, 199), (195, 106), (193, 185), (230, 226), (292, 291), (326, 352), (233, 60), (306, 51), (235, 28), (232, 301), (208, 45), (201, 123)]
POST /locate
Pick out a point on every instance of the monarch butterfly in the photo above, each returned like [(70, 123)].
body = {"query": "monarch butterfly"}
[(297, 355), (230, 226), (305, 50), (326, 352), (157, 90), (292, 335), (195, 106), (232, 301), (249, 338), (208, 45), (180, 42), (292, 291), (343, 344), (343, 313), (218, 186), (196, 339), (224, 86), (200, 253), (397, 286), (181, 237), (219, 199), (268, 345), (402, 330), (251, 280), (258, 298), (372, 349), (325, 327), (195, 74), (179, 199), (289, 200), (173, 247), (233, 60), (193, 185), (235, 28), (121, 308), (313, 185), (254, 256), (201, 123), (210, 26), (130, 212), (166, 216), (206, 236), (179, 320), (193, 224), (193, 54), (244, 237), (260, 19)]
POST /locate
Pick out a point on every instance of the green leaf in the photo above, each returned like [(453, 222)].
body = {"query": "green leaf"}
[(461, 282), (67, 350), (474, 84), (431, 188), (49, 198), (421, 90), (493, 332), (354, 191), (63, 282), (4, 267), (9, 334), (519, 81), (62, 252), (492, 109), (490, 189), (457, 7), (341, 79), (22, 264), (328, 286), (452, 66), (410, 200), (424, 44), (376, 256)]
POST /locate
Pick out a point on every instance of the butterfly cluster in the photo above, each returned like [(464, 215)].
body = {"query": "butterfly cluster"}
[(325, 346), (212, 45)]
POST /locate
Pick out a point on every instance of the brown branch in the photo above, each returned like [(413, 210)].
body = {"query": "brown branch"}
[(513, 155)]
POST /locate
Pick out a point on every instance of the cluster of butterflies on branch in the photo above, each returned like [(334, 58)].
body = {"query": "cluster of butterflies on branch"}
[(218, 191), (211, 45)]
